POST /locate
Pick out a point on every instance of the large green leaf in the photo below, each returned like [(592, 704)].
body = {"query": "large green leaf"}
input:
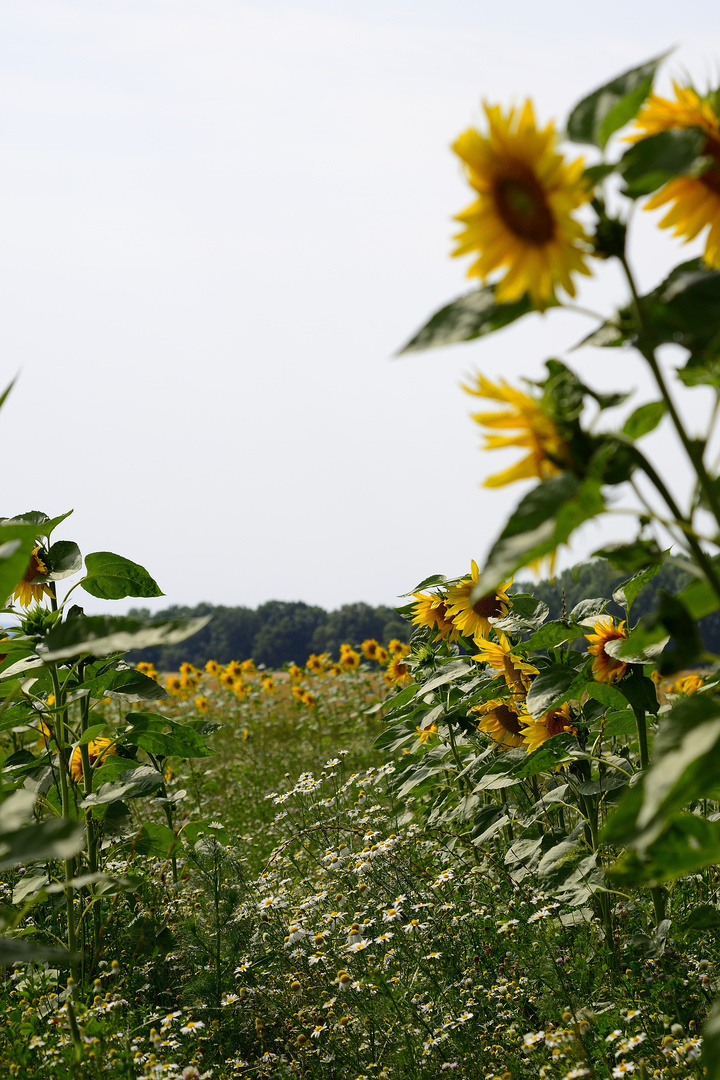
[(554, 685), (552, 634), (16, 544), (686, 844), (627, 593), (470, 316), (16, 951), (100, 635), (544, 519), (597, 116), (64, 559), (651, 162), (133, 784), (126, 683), (43, 525), (54, 838), (112, 577)]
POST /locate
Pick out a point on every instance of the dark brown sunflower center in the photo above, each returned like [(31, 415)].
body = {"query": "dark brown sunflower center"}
[(489, 607), (711, 177), (522, 206), (507, 717), (556, 723)]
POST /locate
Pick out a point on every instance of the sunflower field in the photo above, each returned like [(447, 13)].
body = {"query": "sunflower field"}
[(491, 849)]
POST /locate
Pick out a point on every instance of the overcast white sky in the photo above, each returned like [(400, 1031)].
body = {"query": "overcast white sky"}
[(220, 220)]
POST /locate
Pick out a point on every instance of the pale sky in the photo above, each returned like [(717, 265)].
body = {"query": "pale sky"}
[(220, 222)]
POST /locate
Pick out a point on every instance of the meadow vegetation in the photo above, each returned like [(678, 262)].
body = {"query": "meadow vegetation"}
[(488, 846)]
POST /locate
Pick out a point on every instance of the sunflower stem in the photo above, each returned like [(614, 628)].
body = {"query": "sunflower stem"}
[(642, 737), (60, 738)]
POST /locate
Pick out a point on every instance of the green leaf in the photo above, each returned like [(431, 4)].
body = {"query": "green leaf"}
[(686, 844), (552, 634), (54, 838), (637, 555), (64, 559), (544, 519), (554, 685), (154, 840), (15, 951), (100, 635), (639, 691), (16, 545), (626, 594), (126, 684), (470, 316), (702, 918), (42, 524), (645, 419), (710, 1056), (606, 695), (185, 737), (596, 117), (620, 723), (92, 733), (111, 577), (650, 163), (452, 671), (588, 611), (133, 784)]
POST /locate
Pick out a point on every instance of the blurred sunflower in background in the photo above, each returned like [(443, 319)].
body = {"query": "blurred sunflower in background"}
[(522, 220), (694, 200)]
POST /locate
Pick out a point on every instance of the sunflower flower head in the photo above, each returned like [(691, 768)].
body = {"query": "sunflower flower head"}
[(522, 221), (605, 667), (29, 589), (398, 673), (502, 721), (693, 201), (536, 732), (499, 655), (523, 424), (431, 610), (473, 619), (98, 750)]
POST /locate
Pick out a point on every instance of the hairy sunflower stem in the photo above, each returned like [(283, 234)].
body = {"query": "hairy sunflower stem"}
[(642, 737)]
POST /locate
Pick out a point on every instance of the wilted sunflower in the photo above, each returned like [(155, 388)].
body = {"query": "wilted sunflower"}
[(98, 750), (472, 619), (26, 592), (695, 200), (502, 721), (536, 732), (431, 610), (522, 221), (499, 655), (605, 667), (530, 429)]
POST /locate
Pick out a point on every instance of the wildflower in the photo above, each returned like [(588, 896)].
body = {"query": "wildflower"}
[(319, 1028), (501, 720), (605, 667), (98, 750), (499, 655), (295, 933), (622, 1068), (531, 1039), (202, 704), (426, 733), (191, 1027), (431, 610), (25, 592), (536, 732), (522, 220)]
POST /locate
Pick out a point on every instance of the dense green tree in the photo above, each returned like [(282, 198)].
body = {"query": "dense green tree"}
[(356, 622)]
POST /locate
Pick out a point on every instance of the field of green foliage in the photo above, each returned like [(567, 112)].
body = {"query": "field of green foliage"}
[(489, 846)]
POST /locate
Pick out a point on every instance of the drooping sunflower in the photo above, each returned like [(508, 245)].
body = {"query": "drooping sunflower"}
[(502, 721), (695, 200), (536, 732), (431, 610), (605, 667), (472, 619), (25, 592), (529, 427), (522, 221), (499, 655)]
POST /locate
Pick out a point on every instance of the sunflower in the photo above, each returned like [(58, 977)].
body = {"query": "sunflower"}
[(315, 664), (295, 672), (397, 672), (234, 668), (423, 734), (695, 200), (227, 679), (689, 684), (239, 687), (202, 704), (396, 647), (382, 656), (547, 452), (213, 668), (431, 610), (502, 720), (369, 648), (173, 685), (267, 684), (499, 655), (472, 620), (605, 667), (98, 750), (536, 732), (349, 659), (26, 592), (522, 220), (297, 692), (147, 668), (248, 667), (308, 699)]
